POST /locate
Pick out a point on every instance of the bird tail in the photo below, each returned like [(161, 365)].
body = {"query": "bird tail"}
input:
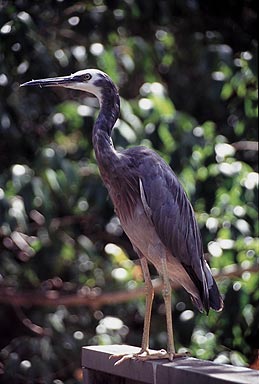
[(215, 298), (209, 296)]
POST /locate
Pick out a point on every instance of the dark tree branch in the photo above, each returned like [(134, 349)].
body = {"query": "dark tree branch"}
[(94, 299), (28, 323)]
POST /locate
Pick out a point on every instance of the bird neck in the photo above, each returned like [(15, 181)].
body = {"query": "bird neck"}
[(101, 136)]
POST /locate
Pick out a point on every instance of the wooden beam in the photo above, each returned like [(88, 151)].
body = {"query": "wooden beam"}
[(95, 299), (99, 369)]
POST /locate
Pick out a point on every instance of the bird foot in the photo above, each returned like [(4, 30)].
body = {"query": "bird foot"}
[(144, 355)]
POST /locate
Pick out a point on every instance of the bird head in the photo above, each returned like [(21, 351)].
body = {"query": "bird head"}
[(88, 80)]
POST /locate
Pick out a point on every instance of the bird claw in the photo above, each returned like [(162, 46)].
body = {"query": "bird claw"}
[(135, 356), (122, 358), (144, 355)]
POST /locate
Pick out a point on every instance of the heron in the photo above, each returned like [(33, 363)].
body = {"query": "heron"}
[(153, 209)]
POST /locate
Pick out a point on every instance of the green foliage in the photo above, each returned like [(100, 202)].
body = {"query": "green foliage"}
[(188, 83)]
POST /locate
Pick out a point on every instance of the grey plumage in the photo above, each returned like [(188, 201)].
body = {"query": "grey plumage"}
[(170, 212), (152, 206)]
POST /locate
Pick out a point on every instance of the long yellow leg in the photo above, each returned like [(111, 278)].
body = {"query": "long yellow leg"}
[(167, 296), (144, 353), (149, 291), (149, 300)]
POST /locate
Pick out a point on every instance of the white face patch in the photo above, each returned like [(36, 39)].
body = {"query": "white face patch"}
[(93, 72), (87, 85)]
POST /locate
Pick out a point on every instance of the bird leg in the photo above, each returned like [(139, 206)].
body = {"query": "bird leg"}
[(144, 353), (170, 354), (149, 292), (167, 296)]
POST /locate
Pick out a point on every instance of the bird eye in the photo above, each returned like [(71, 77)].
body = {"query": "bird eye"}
[(87, 76)]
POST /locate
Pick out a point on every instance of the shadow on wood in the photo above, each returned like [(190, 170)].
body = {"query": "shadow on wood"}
[(99, 369)]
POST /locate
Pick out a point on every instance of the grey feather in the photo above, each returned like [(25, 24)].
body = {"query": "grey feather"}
[(172, 215)]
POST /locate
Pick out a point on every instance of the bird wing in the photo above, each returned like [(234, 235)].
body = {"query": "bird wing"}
[(167, 205)]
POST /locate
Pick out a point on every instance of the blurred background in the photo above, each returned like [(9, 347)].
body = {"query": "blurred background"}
[(187, 74)]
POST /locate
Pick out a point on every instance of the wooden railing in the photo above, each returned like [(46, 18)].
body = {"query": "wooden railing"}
[(99, 369)]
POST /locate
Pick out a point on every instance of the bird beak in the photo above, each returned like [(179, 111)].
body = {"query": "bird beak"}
[(51, 82)]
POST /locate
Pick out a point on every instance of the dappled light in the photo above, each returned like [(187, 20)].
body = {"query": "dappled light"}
[(187, 76)]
